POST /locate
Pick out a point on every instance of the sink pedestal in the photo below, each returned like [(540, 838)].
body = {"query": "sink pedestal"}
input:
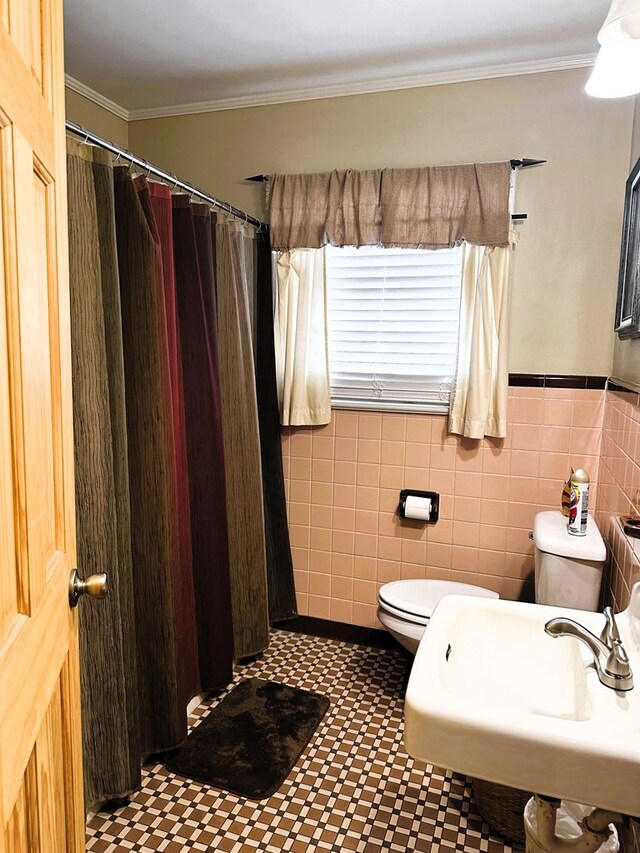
[(596, 830)]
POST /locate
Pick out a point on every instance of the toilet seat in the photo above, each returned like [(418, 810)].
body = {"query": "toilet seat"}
[(415, 600), (405, 607), (402, 614)]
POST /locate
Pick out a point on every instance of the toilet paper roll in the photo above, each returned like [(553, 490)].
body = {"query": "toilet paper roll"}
[(415, 507)]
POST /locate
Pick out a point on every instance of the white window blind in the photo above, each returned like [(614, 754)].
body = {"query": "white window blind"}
[(393, 326)]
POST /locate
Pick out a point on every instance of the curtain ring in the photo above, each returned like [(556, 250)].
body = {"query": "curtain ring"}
[(175, 182), (86, 136), (148, 165), (117, 160)]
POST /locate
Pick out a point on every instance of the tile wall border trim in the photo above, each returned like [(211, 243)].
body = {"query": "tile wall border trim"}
[(556, 380), (622, 385)]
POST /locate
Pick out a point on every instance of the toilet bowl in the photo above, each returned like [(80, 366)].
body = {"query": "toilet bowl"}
[(405, 607)]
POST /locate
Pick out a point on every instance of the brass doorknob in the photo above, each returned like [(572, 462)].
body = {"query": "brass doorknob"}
[(95, 585)]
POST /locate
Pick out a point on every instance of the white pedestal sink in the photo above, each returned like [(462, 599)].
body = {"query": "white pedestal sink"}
[(492, 695)]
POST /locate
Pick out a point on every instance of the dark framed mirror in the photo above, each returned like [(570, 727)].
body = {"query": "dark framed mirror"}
[(627, 323)]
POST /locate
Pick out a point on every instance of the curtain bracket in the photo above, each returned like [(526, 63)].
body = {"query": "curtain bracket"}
[(525, 163)]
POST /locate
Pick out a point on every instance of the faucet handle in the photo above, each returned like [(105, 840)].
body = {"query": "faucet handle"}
[(618, 661), (610, 634)]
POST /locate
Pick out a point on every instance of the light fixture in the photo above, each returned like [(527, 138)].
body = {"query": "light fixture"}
[(617, 70)]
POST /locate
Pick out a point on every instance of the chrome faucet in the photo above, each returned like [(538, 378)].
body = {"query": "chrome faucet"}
[(610, 658)]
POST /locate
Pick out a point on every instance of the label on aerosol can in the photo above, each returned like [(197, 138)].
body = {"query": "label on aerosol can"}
[(579, 503)]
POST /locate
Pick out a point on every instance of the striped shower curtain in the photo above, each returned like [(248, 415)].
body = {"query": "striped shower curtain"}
[(153, 492), (169, 438), (282, 594), (110, 726), (235, 270), (194, 272)]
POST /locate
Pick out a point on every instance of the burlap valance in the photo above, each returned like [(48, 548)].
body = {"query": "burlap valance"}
[(427, 208)]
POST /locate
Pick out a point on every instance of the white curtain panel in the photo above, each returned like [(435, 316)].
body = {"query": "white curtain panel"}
[(300, 331), (480, 390)]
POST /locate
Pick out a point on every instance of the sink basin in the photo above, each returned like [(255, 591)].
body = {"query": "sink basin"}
[(492, 695)]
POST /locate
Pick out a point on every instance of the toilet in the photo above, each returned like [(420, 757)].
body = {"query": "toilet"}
[(568, 569), (568, 573), (405, 607)]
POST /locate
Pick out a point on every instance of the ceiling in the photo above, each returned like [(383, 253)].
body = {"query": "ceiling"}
[(145, 54)]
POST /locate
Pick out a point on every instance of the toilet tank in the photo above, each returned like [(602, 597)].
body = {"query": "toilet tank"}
[(568, 569)]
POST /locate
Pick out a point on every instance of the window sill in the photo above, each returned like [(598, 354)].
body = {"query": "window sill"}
[(388, 406)]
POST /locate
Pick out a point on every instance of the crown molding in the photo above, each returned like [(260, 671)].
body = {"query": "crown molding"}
[(438, 78), (96, 97)]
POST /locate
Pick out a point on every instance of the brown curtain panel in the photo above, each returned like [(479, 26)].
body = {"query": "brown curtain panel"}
[(441, 206), (282, 593), (193, 253), (110, 731), (428, 208), (154, 530), (309, 211), (235, 276)]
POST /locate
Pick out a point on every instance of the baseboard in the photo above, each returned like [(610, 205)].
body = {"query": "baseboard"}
[(331, 630)]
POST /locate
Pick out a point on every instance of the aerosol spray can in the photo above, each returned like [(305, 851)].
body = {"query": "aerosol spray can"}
[(579, 502)]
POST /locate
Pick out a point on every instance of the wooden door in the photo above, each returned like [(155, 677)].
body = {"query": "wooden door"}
[(40, 761)]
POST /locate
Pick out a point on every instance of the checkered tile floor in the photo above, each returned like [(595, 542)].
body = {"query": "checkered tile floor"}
[(354, 787)]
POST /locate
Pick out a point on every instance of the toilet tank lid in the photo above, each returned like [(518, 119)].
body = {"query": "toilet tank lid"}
[(421, 596), (550, 534)]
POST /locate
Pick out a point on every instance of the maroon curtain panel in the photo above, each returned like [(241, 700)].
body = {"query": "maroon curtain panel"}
[(159, 198), (154, 514), (207, 491)]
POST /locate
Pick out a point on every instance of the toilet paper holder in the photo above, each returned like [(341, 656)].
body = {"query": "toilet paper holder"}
[(435, 503)]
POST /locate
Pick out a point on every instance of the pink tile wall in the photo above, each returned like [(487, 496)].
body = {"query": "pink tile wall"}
[(619, 492), (343, 483)]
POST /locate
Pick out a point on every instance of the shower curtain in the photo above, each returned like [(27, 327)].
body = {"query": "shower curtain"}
[(172, 449), (110, 730), (159, 198), (153, 493), (282, 594), (235, 268), (204, 442)]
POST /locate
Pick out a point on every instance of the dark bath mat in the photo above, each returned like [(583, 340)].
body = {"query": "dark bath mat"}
[(250, 741)]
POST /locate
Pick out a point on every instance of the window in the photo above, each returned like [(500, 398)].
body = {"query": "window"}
[(393, 326)]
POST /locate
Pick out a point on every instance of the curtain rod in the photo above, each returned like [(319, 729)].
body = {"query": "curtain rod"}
[(524, 163), (167, 177)]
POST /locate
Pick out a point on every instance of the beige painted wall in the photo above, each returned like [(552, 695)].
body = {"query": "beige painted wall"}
[(565, 268), (626, 354), (96, 118)]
